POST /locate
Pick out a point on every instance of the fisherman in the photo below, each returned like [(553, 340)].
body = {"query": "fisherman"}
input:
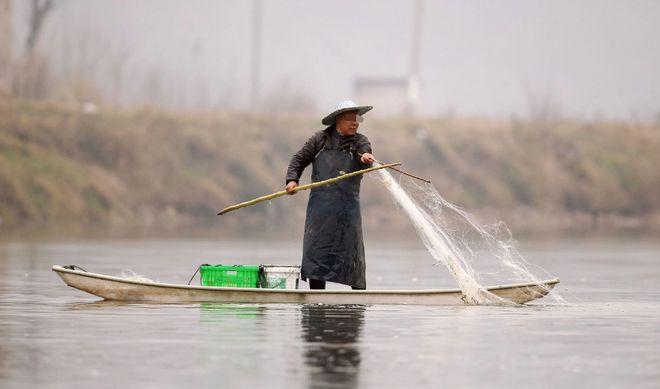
[(332, 248)]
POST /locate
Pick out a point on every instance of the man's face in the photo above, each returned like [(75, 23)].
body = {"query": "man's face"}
[(348, 122)]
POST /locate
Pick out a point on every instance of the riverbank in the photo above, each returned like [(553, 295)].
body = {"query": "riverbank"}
[(147, 168)]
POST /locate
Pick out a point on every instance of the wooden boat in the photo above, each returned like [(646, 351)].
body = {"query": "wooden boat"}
[(121, 289)]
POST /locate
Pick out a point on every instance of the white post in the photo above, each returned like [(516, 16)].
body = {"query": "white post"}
[(256, 53), (413, 77)]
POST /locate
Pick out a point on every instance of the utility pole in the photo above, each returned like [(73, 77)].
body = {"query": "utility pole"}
[(256, 53), (413, 76), (5, 48)]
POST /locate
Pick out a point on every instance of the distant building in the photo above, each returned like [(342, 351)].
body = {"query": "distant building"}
[(395, 96), (390, 96)]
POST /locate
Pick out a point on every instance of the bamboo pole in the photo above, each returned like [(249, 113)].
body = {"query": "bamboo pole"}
[(305, 187)]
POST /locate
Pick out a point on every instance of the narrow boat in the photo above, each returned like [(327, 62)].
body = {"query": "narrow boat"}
[(121, 289)]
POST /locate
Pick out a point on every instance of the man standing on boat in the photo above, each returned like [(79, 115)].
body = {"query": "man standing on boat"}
[(333, 249)]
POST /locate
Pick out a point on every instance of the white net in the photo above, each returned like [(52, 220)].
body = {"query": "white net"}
[(467, 249), (130, 275)]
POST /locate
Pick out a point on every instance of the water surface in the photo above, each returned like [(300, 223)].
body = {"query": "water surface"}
[(55, 336)]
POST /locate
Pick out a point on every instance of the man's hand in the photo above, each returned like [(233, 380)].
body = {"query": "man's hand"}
[(290, 187), (367, 158)]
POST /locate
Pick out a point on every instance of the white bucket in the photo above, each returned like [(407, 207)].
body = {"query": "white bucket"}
[(279, 276)]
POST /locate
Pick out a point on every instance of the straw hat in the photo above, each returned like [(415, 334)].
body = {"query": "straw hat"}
[(345, 106)]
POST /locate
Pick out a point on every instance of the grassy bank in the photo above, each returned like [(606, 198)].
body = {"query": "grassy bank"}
[(146, 167)]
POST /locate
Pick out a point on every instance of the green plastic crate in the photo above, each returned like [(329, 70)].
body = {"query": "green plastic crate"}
[(237, 276)]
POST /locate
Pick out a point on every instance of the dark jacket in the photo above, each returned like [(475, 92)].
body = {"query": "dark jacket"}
[(357, 143)]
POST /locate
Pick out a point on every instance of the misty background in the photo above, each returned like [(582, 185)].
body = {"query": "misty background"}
[(543, 114), (586, 59), (126, 125)]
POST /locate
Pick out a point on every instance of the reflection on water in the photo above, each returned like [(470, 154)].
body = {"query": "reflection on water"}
[(331, 335), (53, 335), (215, 311)]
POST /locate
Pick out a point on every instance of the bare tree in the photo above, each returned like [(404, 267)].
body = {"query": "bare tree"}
[(32, 75), (38, 14)]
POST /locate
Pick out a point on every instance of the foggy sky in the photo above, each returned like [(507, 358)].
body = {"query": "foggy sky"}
[(594, 58)]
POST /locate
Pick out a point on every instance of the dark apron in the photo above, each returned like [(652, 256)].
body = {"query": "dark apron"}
[(332, 248)]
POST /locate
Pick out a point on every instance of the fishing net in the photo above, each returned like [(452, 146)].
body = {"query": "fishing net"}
[(130, 275), (473, 253)]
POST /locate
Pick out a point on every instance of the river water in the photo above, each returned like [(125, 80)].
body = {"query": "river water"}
[(55, 336)]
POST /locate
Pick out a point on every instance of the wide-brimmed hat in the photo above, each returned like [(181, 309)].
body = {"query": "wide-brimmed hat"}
[(345, 106)]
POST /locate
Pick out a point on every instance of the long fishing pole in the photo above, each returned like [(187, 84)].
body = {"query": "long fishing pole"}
[(305, 187)]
